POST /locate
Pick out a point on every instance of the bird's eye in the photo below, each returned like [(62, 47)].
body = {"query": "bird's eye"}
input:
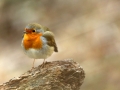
[(33, 30)]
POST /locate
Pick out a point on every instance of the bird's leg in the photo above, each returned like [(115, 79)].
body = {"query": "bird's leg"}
[(44, 61), (33, 64), (43, 64)]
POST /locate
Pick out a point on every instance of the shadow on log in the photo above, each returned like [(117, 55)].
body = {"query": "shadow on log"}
[(56, 75)]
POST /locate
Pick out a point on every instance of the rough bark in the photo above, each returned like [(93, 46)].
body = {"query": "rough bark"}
[(56, 75)]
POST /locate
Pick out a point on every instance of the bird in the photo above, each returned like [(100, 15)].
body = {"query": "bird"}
[(38, 42)]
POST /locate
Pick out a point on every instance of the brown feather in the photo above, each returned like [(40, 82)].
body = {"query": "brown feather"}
[(50, 39)]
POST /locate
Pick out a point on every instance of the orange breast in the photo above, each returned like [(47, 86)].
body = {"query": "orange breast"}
[(32, 41)]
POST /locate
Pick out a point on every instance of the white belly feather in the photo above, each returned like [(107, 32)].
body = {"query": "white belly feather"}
[(42, 53)]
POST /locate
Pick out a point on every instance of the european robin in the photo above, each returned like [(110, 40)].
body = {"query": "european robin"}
[(38, 42)]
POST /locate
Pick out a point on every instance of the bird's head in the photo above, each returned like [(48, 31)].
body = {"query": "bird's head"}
[(34, 28)]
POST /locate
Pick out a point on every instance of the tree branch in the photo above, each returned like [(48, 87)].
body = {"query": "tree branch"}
[(56, 75)]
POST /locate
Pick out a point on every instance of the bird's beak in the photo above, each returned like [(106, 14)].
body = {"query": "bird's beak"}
[(24, 31), (27, 30)]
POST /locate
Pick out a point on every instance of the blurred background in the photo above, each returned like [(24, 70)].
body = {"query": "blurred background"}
[(87, 31)]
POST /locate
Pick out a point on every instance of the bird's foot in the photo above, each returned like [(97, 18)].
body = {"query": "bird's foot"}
[(32, 68), (43, 64)]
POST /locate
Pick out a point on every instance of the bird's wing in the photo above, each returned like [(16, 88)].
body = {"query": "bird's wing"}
[(50, 39)]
